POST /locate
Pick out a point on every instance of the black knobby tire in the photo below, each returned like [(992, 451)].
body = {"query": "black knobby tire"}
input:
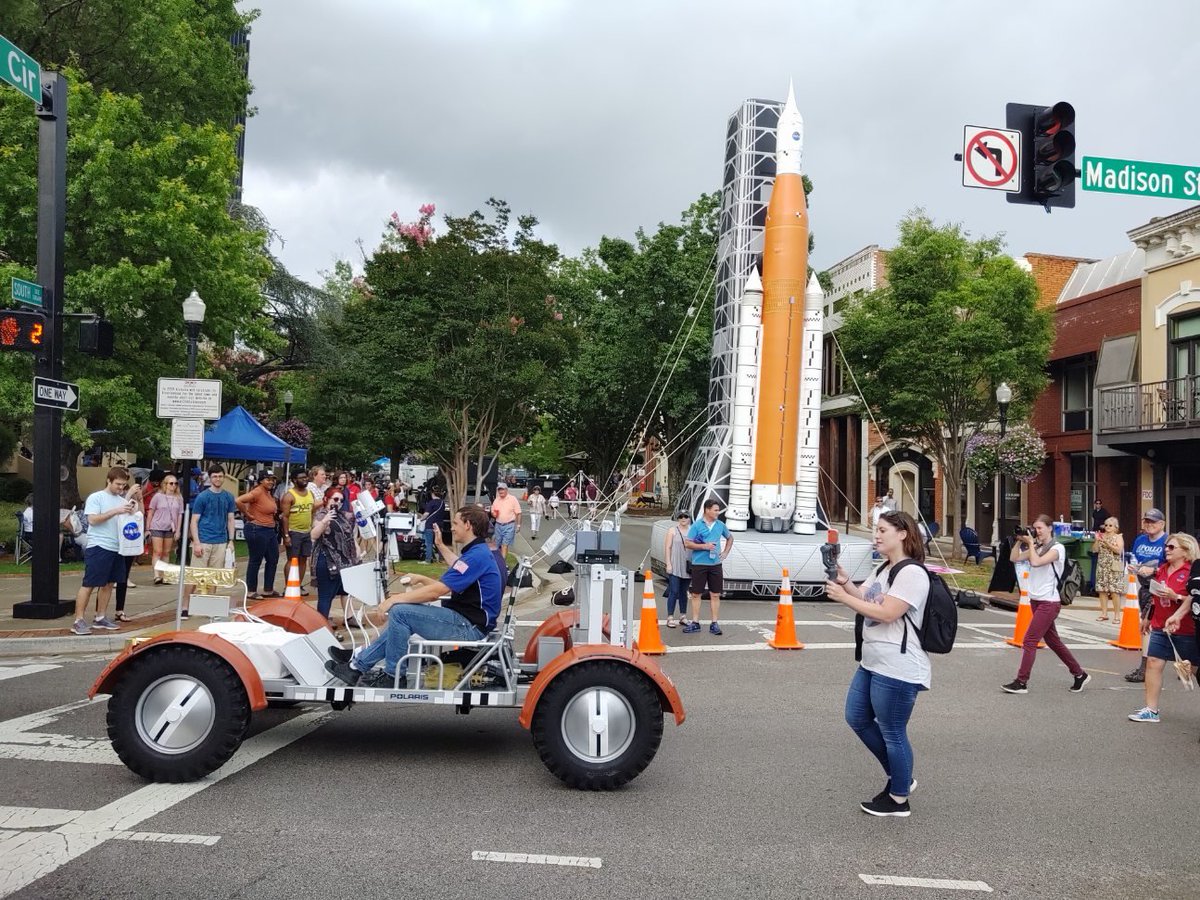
[(638, 712), (190, 679)]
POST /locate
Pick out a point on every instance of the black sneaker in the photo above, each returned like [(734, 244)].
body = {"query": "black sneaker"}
[(886, 793), (343, 672), (1138, 675), (340, 654), (885, 806), (377, 678), (1015, 687), (1080, 681)]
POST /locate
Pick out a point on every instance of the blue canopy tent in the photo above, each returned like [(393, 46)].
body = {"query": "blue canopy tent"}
[(238, 435)]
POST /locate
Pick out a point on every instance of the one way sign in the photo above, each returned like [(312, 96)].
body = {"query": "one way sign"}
[(55, 394)]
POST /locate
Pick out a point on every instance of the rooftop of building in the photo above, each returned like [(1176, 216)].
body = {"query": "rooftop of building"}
[(1098, 275)]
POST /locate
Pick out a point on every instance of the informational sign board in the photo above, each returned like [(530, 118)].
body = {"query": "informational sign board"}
[(187, 439), (991, 158), (189, 398)]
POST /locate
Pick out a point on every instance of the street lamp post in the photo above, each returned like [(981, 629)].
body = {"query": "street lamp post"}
[(1003, 398), (193, 318), (288, 399)]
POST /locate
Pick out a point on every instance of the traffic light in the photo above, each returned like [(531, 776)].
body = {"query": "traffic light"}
[(1047, 151), (96, 338), (21, 329)]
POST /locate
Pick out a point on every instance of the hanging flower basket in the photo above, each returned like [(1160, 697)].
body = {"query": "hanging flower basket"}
[(983, 460), (1022, 454)]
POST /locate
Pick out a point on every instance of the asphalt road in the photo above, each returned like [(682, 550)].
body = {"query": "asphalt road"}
[(755, 795)]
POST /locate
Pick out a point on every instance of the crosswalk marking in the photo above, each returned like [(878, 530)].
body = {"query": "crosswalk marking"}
[(7, 672)]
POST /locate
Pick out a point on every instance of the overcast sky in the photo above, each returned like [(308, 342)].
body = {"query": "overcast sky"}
[(599, 117)]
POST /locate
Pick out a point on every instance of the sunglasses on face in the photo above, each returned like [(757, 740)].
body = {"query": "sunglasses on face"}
[(170, 483), (1172, 546), (335, 499)]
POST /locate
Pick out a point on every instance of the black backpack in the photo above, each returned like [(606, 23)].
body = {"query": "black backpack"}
[(1070, 581), (940, 624)]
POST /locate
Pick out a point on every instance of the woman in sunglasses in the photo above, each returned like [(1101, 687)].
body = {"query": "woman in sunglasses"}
[(1110, 577), (165, 518), (334, 548), (1169, 624)]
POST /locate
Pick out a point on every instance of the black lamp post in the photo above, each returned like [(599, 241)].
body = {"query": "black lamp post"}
[(193, 318), (1003, 398)]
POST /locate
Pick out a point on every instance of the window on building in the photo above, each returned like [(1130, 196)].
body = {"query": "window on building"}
[(1184, 357), (1077, 396), (832, 380), (1083, 486)]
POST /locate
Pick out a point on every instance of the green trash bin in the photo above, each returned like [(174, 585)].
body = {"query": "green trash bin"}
[(1080, 550)]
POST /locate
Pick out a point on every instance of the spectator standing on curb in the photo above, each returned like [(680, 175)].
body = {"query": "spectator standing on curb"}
[(571, 495), (1110, 550), (704, 540), (297, 512), (1043, 558), (436, 516), (259, 513), (212, 527), (552, 503), (318, 483), (103, 565), (1100, 515), (892, 670), (877, 510), (1169, 623), (591, 492), (675, 555), (334, 548), (537, 509), (121, 590), (164, 520), (1149, 551), (889, 501), (506, 510)]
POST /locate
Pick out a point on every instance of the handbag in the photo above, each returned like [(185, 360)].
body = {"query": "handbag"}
[(1182, 667)]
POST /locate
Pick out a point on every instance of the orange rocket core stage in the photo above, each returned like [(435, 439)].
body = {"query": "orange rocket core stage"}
[(784, 278)]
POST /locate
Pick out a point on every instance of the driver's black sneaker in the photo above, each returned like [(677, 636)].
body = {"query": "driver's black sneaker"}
[(377, 678), (340, 654), (343, 672), (885, 806)]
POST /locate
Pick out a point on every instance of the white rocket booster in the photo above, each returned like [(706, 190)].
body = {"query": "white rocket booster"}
[(745, 399), (808, 435)]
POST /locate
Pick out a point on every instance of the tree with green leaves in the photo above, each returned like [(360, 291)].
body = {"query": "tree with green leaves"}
[(643, 310), (449, 344), (928, 350), (147, 222)]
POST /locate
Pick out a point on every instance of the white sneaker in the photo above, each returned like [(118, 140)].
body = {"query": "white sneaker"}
[(80, 627), (671, 623)]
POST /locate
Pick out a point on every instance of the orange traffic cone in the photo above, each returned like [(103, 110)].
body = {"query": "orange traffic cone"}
[(1130, 635), (1024, 615), (785, 619), (649, 638), (292, 591)]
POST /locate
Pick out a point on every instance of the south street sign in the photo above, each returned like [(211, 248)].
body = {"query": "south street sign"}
[(26, 292), (20, 70), (1143, 179)]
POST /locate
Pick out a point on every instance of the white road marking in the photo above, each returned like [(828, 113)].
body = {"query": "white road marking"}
[(32, 817), (157, 837), (541, 859), (7, 672), (946, 884), (30, 855), (18, 740), (849, 645), (93, 756)]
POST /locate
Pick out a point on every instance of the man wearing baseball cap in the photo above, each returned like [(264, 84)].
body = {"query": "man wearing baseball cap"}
[(1150, 551)]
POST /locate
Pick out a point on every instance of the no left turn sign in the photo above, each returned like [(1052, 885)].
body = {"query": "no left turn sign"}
[(991, 158)]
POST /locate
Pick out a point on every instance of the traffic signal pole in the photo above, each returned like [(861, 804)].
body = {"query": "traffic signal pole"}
[(44, 601)]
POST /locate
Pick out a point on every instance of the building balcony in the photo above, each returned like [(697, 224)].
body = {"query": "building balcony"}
[(1150, 419)]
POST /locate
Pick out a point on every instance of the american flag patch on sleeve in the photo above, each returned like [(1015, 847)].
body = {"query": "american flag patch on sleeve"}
[(460, 567)]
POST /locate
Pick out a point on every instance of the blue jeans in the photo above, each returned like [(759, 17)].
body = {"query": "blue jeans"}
[(263, 544), (677, 591), (878, 709), (430, 550), (434, 623), (328, 585)]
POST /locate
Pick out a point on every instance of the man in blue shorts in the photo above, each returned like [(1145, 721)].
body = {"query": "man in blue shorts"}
[(1149, 550), (102, 563), (704, 540), (473, 581)]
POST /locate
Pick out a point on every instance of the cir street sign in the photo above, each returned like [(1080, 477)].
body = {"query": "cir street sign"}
[(55, 394), (20, 70)]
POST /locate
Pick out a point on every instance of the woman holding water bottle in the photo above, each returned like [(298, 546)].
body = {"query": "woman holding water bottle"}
[(1110, 549)]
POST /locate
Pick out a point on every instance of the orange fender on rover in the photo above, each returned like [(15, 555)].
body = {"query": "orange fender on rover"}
[(667, 694), (297, 618), (214, 644), (558, 625)]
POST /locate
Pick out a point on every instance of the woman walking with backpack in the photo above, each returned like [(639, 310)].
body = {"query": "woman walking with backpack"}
[(894, 667), (1045, 559)]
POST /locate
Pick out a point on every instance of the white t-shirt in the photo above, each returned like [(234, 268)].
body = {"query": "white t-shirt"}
[(1043, 583), (881, 640)]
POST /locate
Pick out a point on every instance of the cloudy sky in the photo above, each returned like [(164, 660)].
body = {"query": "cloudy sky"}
[(599, 117)]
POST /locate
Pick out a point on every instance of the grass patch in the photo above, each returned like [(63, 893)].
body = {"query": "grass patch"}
[(974, 578)]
